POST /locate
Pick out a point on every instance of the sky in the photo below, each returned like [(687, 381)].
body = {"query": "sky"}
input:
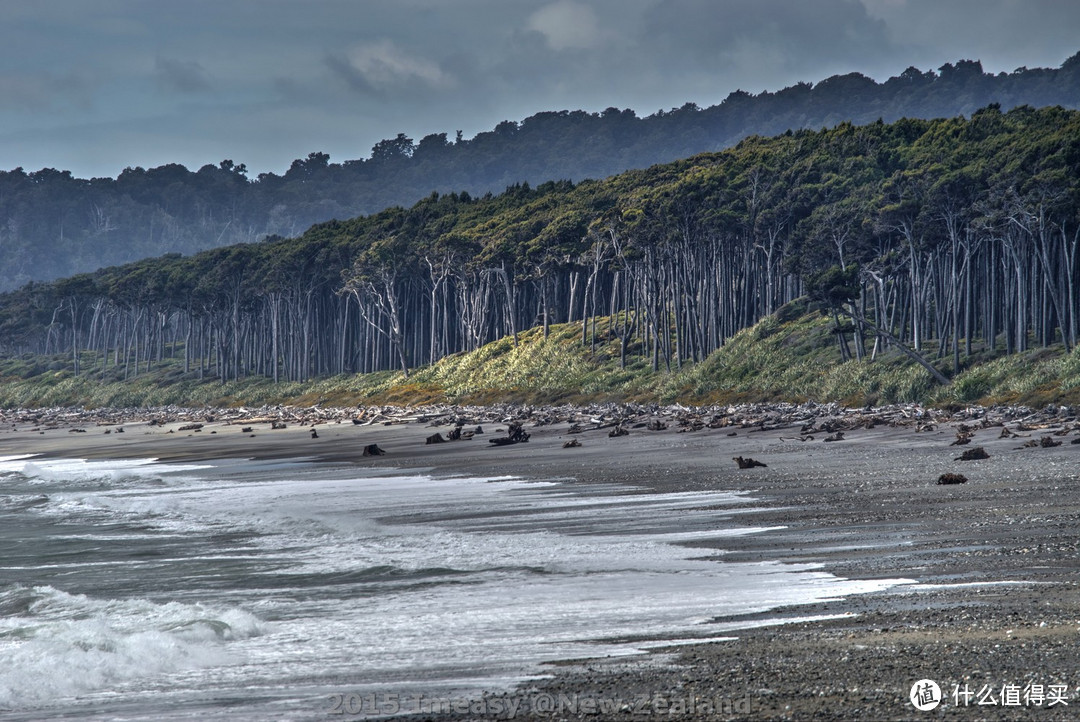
[(95, 86)]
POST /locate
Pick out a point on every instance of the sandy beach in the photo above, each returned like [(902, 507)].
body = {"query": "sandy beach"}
[(991, 613)]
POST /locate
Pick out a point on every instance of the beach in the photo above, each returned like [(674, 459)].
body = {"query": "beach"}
[(982, 576)]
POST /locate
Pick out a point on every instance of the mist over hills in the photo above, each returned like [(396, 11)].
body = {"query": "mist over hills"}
[(54, 225)]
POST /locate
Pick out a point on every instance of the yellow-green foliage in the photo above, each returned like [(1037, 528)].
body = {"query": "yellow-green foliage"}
[(798, 360), (559, 367), (1034, 378), (792, 355)]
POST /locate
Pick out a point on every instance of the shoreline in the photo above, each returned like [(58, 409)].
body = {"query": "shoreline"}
[(995, 560)]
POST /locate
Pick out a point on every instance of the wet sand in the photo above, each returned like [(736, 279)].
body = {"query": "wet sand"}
[(994, 607)]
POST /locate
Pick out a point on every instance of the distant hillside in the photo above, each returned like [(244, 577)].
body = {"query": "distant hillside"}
[(53, 225), (947, 241)]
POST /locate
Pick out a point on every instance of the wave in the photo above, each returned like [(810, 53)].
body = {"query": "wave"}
[(55, 645), (83, 471)]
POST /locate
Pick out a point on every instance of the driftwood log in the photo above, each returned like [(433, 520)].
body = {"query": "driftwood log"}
[(515, 434), (972, 454), (747, 463)]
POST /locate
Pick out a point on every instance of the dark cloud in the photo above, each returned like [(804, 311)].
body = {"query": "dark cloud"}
[(184, 76), (44, 92), (343, 70), (763, 40)]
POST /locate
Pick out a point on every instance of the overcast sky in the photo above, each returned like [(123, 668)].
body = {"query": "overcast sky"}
[(94, 86)]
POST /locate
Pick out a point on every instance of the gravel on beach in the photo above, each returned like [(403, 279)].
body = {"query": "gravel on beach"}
[(989, 608)]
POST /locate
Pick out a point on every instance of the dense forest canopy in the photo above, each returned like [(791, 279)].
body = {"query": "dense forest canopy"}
[(937, 237), (54, 225)]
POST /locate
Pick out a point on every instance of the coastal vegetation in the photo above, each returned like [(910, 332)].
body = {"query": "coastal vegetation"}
[(917, 252), (54, 225), (789, 356)]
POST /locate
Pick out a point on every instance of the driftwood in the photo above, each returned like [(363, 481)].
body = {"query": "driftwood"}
[(314, 434), (952, 479), (515, 435), (246, 430), (838, 436), (191, 427), (972, 454), (747, 463), (571, 444), (435, 438), (373, 450), (618, 431)]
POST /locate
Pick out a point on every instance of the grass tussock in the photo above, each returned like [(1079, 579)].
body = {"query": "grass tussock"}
[(789, 356)]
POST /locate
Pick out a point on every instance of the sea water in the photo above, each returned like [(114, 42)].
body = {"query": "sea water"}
[(246, 590)]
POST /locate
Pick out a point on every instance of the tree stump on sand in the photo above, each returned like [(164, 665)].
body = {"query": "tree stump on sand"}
[(972, 454), (435, 438), (515, 435), (373, 450), (747, 463)]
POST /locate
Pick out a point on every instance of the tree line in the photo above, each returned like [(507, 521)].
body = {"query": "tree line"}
[(946, 238), (54, 225)]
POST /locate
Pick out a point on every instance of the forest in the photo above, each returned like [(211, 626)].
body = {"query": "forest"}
[(54, 225), (937, 238)]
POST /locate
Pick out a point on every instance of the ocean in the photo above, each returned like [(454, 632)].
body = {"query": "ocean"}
[(284, 590)]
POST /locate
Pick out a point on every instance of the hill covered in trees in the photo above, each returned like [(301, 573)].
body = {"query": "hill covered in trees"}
[(54, 225), (947, 240)]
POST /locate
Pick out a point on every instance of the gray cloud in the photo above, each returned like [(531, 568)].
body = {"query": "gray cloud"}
[(44, 92), (185, 76)]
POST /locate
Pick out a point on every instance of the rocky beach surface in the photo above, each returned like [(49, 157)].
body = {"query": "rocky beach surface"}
[(990, 542)]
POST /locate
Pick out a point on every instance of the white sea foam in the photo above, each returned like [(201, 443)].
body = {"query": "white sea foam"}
[(291, 578), (81, 470), (64, 645)]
